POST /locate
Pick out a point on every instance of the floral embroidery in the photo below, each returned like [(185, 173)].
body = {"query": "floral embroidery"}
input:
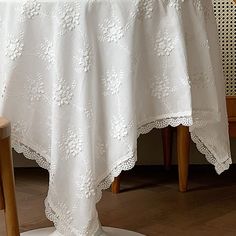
[(200, 79), (112, 82), (119, 128), (164, 44), (72, 144), (31, 9), (47, 53), (14, 48), (111, 30), (69, 17), (87, 188), (63, 212), (88, 111), (145, 9), (100, 150), (185, 81), (198, 5), (18, 129), (160, 87), (63, 93), (3, 86), (205, 44), (84, 61), (35, 88), (176, 4)]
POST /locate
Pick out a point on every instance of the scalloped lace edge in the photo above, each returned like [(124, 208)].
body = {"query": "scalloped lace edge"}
[(130, 158), (219, 167), (30, 154)]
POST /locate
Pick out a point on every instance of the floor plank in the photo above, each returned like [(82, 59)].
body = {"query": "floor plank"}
[(149, 202)]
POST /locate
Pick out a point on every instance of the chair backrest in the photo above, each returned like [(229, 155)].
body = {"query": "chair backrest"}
[(5, 131), (5, 128), (7, 183)]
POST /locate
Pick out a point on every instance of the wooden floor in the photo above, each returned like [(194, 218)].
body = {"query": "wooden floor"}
[(149, 203)]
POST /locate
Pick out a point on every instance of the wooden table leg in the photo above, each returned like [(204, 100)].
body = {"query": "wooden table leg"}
[(167, 146), (183, 146), (8, 184), (115, 188)]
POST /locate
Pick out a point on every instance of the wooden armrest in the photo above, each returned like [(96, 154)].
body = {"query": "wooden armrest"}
[(5, 128)]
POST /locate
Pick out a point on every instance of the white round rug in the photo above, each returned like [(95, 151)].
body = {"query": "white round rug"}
[(108, 230)]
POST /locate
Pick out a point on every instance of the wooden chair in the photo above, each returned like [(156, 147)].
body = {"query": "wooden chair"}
[(7, 183), (231, 108), (183, 144)]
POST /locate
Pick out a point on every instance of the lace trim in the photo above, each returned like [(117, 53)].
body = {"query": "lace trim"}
[(163, 123), (219, 167), (30, 154), (128, 164), (130, 159)]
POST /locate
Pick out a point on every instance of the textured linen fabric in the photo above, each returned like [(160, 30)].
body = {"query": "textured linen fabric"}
[(81, 80)]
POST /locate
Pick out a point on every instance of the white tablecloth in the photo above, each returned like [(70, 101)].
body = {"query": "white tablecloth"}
[(81, 80)]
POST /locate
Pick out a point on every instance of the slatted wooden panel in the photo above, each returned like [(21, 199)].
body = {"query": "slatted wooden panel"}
[(225, 11)]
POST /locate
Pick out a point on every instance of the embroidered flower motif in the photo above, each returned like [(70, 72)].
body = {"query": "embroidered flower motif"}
[(164, 44), (18, 129), (70, 17), (205, 44), (185, 81), (198, 5), (47, 53), (72, 144), (84, 61), (176, 4), (160, 87), (88, 111), (63, 93), (119, 128), (145, 9), (31, 9), (200, 79), (111, 30), (100, 150), (87, 187), (14, 48), (63, 212), (35, 88), (112, 82), (4, 87)]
